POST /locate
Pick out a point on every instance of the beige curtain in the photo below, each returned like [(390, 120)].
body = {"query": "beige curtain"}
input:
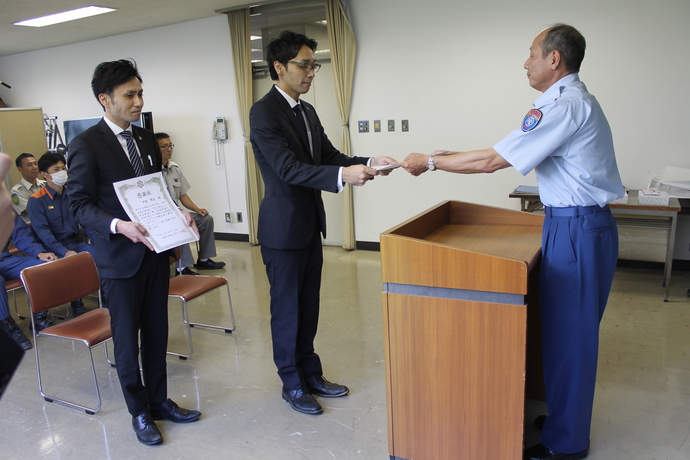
[(343, 50), (242, 58)]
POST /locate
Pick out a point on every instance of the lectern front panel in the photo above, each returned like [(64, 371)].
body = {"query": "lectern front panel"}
[(457, 374)]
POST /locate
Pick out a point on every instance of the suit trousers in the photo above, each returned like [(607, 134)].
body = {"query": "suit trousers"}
[(295, 279), (579, 255), (139, 314), (207, 240)]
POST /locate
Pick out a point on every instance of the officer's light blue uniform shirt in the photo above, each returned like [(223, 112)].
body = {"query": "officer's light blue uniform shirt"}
[(568, 142)]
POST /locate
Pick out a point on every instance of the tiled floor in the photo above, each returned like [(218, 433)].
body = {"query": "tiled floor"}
[(641, 410)]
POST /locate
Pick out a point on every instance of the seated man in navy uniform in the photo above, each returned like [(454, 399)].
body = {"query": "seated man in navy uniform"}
[(11, 266), (51, 218)]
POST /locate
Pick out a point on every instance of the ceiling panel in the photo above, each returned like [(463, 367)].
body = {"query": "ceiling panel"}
[(131, 15)]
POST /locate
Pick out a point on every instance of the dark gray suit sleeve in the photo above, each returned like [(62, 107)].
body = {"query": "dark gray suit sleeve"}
[(83, 188)]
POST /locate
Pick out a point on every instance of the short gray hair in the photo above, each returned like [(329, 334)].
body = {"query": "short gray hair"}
[(568, 41)]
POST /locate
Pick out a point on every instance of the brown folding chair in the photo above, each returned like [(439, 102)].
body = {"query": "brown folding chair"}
[(189, 287), (58, 282), (12, 286)]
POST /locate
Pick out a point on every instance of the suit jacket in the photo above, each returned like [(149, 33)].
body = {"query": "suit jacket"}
[(292, 208), (96, 160)]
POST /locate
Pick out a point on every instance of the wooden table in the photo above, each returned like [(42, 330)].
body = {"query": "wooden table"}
[(632, 214)]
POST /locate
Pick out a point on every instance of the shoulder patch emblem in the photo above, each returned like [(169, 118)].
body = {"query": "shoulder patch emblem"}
[(15, 199), (531, 120)]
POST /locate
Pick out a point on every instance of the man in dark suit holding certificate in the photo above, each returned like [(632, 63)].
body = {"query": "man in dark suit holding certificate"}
[(297, 161), (134, 277)]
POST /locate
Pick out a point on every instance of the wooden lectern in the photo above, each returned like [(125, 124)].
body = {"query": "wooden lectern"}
[(457, 280)]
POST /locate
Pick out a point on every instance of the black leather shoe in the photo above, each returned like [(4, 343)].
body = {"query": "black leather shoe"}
[(187, 271), (322, 387), (78, 308), (539, 422), (209, 265), (12, 329), (174, 413), (146, 430), (541, 452), (41, 320), (302, 402)]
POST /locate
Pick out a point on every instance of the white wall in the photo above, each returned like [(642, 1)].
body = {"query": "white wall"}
[(454, 69), (188, 81)]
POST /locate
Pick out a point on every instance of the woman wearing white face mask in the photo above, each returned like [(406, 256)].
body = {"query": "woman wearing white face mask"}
[(51, 218)]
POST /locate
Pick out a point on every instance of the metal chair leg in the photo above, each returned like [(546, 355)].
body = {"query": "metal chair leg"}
[(232, 316), (188, 331), (64, 402)]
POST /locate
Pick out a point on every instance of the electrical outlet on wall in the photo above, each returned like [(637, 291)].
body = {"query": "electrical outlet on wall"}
[(233, 217)]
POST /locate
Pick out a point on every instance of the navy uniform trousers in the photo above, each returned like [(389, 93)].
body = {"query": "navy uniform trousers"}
[(579, 255), (11, 267)]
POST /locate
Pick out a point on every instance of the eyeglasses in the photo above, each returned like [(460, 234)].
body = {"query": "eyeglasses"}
[(167, 146), (306, 66)]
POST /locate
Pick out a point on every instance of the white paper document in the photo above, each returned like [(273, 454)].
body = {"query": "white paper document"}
[(386, 167), (147, 202)]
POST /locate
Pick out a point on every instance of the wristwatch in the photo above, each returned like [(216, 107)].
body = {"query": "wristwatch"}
[(431, 165)]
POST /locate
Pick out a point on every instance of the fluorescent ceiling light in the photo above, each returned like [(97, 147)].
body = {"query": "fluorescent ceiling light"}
[(65, 16), (255, 37)]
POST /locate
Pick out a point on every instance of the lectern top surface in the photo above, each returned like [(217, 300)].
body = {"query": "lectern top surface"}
[(515, 242)]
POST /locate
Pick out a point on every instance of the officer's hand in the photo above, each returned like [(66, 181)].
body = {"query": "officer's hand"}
[(416, 163)]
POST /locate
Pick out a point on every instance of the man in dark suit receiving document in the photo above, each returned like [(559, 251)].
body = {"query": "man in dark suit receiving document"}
[(134, 277), (297, 161)]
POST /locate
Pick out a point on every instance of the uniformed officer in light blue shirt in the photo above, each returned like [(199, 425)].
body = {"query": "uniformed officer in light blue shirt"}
[(566, 139)]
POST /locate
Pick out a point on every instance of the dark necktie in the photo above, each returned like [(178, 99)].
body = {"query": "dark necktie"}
[(300, 118), (134, 157)]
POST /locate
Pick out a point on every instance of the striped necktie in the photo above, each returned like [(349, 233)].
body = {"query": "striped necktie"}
[(134, 157)]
